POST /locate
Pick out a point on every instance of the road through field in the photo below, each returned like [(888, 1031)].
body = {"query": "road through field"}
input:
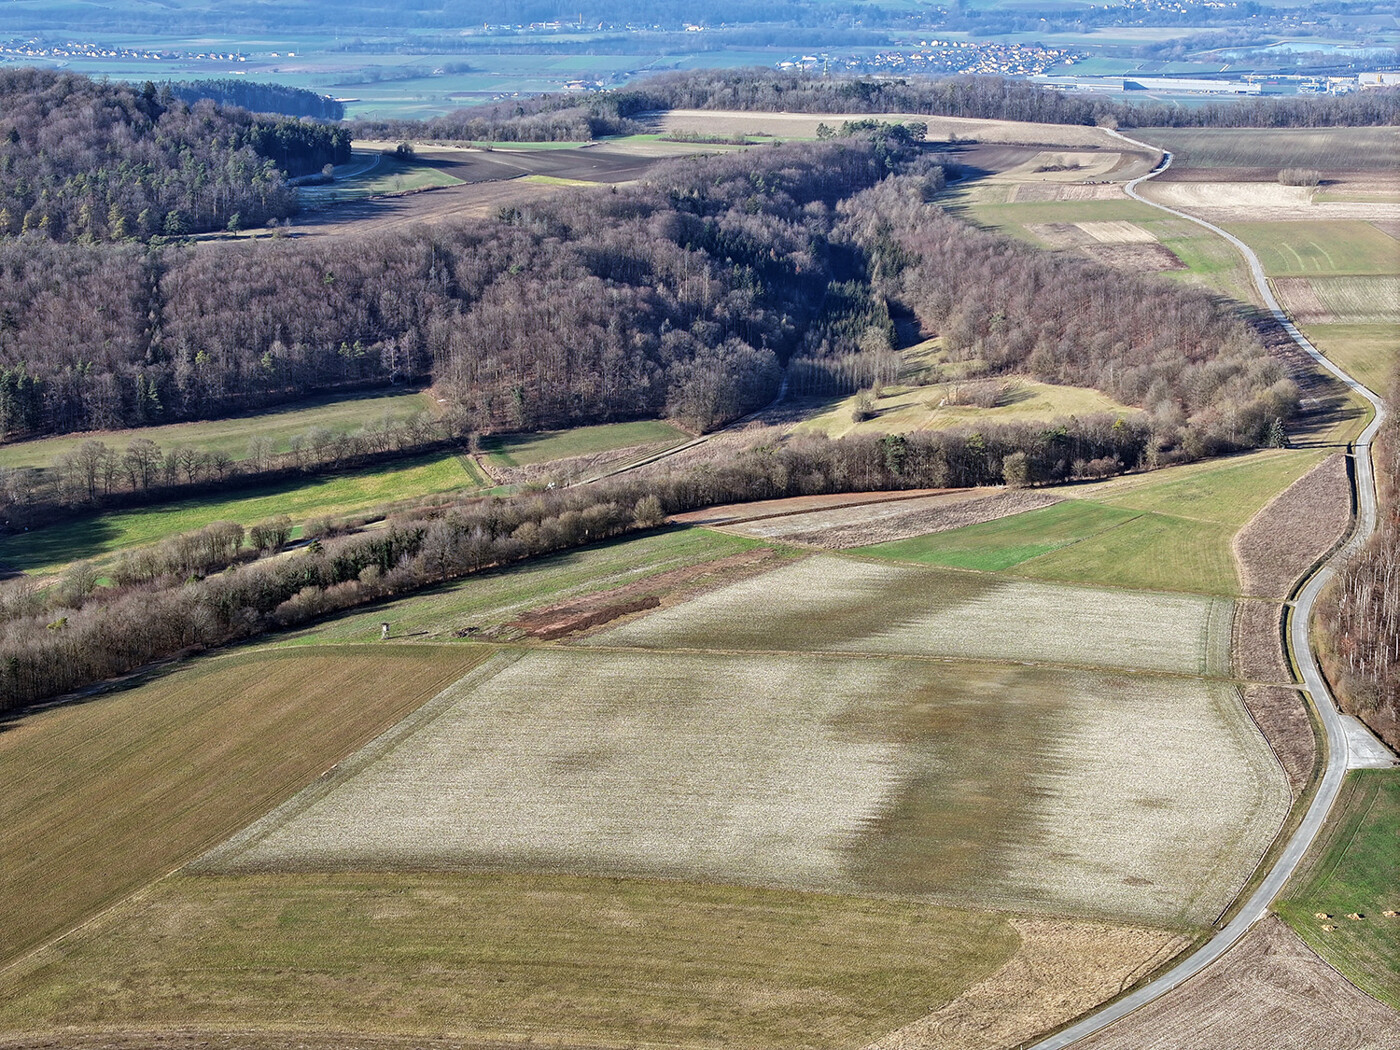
[(1349, 744)]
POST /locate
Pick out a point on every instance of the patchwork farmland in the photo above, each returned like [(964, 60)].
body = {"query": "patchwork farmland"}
[(773, 798), (912, 775)]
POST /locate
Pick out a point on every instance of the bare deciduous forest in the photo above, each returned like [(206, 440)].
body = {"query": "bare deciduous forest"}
[(1360, 611)]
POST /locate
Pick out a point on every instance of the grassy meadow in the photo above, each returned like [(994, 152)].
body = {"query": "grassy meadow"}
[(1337, 247), (901, 409), (1367, 351), (100, 798), (231, 436), (521, 450), (1168, 530), (91, 536), (498, 958), (372, 175), (1201, 257), (1352, 870)]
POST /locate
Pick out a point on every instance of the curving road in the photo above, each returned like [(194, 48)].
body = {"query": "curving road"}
[(1350, 745)]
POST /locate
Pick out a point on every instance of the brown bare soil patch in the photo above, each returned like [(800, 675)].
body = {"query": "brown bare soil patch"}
[(1258, 643), (1060, 234), (721, 446), (1061, 970), (1293, 530), (552, 622), (1261, 202), (1270, 992), (1136, 258), (793, 506), (1282, 717), (549, 624), (926, 518), (1043, 192), (444, 203), (1299, 298)]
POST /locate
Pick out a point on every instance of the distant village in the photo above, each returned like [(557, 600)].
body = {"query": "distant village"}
[(31, 49)]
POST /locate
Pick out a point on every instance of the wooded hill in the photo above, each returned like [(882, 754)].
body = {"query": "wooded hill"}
[(83, 161), (685, 296)]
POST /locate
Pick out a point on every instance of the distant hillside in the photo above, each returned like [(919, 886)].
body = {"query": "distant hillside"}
[(257, 97), (84, 161)]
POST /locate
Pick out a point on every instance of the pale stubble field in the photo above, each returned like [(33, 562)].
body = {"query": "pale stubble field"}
[(852, 767)]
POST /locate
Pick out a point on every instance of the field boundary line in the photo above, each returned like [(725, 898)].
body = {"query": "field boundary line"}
[(865, 654), (1336, 730), (224, 856)]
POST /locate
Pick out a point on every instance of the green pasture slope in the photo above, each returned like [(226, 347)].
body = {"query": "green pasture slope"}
[(1354, 869), (372, 174), (1168, 530), (47, 549), (1336, 248), (336, 413), (520, 450)]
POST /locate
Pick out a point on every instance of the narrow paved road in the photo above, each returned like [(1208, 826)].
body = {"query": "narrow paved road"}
[(1349, 744)]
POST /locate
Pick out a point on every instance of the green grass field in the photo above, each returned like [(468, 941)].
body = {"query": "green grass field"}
[(490, 599), (1210, 261), (373, 175), (1353, 870), (97, 799), (591, 962), (1367, 351), (1324, 149), (519, 450), (47, 549), (1164, 530), (1006, 216), (339, 414), (902, 409), (1003, 544), (1337, 247)]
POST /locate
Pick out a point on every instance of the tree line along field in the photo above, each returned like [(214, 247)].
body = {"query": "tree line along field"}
[(232, 435), (365, 490), (346, 493)]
